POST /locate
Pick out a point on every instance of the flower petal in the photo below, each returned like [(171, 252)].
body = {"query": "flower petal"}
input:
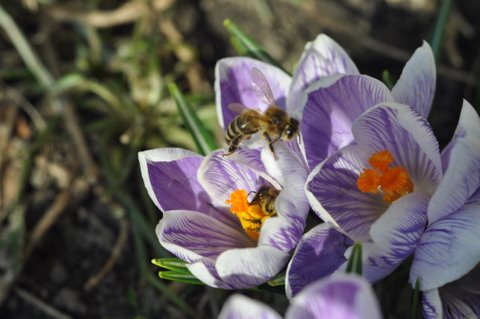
[(331, 106), (416, 85), (333, 193), (204, 270), (321, 58), (340, 297), (170, 177), (220, 176), (234, 84), (457, 303), (318, 254), (284, 231), (241, 307), (462, 176), (395, 235), (190, 235), (408, 137), (432, 304), (250, 267), (449, 248)]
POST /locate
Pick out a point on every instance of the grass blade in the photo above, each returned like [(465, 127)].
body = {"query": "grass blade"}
[(437, 37), (172, 263), (180, 277), (355, 262), (277, 281), (201, 136), (247, 46)]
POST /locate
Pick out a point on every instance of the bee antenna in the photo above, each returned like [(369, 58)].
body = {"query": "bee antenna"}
[(254, 192)]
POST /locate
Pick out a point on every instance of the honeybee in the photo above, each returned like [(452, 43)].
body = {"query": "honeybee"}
[(274, 124), (265, 198)]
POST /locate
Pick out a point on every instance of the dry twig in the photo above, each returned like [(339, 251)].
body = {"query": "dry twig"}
[(40, 304)]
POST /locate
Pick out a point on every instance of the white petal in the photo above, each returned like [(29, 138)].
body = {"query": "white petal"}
[(241, 307)]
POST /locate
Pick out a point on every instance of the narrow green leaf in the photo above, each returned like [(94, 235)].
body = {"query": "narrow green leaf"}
[(388, 79), (437, 37), (416, 297), (247, 46), (355, 261), (279, 280), (201, 136), (172, 263), (179, 277)]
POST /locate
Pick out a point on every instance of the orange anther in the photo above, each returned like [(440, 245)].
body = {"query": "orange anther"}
[(368, 181), (381, 160)]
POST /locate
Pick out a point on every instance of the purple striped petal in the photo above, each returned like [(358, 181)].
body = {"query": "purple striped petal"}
[(416, 85), (432, 304), (395, 235), (458, 303), (408, 137), (333, 193), (321, 58), (331, 106), (340, 297), (318, 254), (241, 307), (462, 176), (284, 231), (250, 267), (170, 177), (190, 235), (204, 270), (449, 248), (234, 84), (220, 176)]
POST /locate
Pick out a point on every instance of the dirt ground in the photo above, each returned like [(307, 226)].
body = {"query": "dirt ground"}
[(79, 250)]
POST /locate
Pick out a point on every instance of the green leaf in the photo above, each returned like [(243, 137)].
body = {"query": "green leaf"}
[(388, 79), (279, 280), (247, 46), (416, 298), (355, 261), (437, 37), (172, 263), (201, 136), (179, 277)]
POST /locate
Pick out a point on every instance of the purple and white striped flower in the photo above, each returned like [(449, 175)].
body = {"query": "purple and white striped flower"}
[(375, 190), (329, 106), (340, 297), (197, 225), (447, 258)]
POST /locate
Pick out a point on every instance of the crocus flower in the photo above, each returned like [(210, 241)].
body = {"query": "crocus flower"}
[(375, 190), (447, 258), (340, 297), (209, 220)]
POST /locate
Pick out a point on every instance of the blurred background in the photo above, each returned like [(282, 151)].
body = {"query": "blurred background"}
[(83, 88)]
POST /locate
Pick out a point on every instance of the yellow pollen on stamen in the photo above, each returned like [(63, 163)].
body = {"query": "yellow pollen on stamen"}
[(394, 182), (251, 217)]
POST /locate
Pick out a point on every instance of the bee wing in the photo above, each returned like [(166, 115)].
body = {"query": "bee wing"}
[(239, 108), (260, 84)]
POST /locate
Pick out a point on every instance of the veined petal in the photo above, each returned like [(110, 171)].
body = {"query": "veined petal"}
[(204, 270), (462, 176), (220, 176), (332, 104), (234, 84), (333, 193), (395, 235), (409, 138), (318, 254), (340, 297), (416, 85), (321, 58), (449, 247), (458, 303), (432, 304), (190, 235), (170, 177), (250, 267), (241, 307)]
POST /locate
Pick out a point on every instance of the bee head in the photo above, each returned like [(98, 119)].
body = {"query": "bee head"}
[(291, 129)]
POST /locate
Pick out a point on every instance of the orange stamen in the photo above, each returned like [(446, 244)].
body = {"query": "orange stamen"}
[(251, 217), (393, 182)]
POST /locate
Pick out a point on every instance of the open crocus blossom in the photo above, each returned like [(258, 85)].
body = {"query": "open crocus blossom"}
[(329, 106), (210, 220), (447, 258), (375, 190), (340, 297)]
